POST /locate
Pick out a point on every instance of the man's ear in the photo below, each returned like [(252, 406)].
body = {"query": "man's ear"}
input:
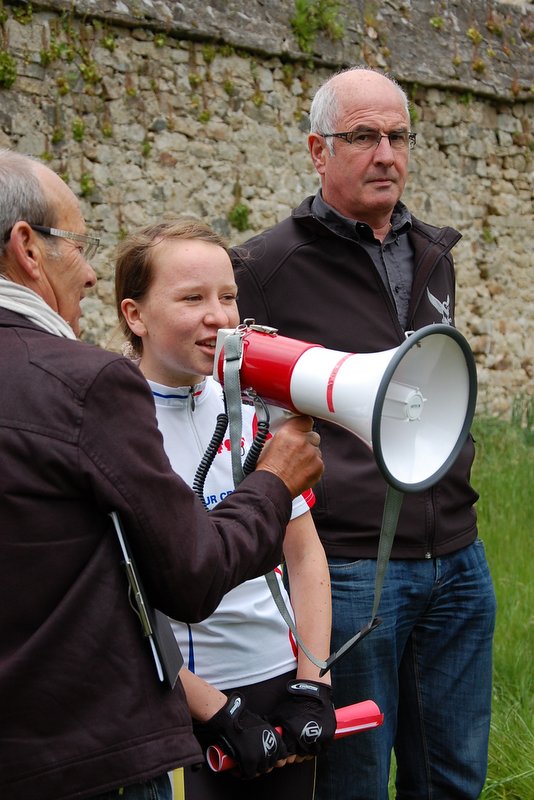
[(318, 151), (132, 315), (26, 250)]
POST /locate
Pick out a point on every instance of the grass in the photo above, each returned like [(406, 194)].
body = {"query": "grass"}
[(503, 474)]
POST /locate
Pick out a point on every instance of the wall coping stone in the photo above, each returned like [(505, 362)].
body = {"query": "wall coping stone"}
[(428, 44)]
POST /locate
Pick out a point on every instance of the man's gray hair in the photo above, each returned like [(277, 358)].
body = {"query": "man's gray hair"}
[(21, 194), (324, 111)]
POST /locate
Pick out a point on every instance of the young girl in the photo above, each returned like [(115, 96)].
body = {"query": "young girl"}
[(174, 290)]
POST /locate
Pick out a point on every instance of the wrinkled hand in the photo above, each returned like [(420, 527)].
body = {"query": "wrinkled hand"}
[(293, 454), (306, 716), (248, 738)]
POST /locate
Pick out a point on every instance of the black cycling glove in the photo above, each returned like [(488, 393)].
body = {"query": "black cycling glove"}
[(306, 716), (248, 738)]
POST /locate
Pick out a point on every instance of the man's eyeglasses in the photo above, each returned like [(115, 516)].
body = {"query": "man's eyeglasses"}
[(367, 138), (90, 243)]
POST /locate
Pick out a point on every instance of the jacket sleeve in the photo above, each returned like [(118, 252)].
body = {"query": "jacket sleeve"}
[(251, 298), (188, 558)]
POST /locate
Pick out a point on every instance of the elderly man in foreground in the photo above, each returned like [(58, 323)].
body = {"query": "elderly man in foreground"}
[(82, 713)]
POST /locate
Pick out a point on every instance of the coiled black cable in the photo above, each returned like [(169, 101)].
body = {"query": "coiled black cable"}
[(259, 440), (211, 451), (207, 459)]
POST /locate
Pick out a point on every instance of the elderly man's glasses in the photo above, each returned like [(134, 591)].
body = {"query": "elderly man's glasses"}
[(90, 243), (367, 138)]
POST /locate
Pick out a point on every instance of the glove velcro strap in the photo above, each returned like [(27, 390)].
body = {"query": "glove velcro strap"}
[(301, 688), (233, 708)]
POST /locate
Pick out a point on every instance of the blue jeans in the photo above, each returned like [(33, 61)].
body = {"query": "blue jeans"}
[(156, 789), (428, 666)]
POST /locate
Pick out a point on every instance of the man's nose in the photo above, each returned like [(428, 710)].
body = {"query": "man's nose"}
[(383, 151), (91, 277)]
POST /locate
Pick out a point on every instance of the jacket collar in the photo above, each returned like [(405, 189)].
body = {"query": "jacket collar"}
[(445, 237), (355, 229)]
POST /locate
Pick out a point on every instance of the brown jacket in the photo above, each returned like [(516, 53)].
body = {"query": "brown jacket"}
[(81, 709)]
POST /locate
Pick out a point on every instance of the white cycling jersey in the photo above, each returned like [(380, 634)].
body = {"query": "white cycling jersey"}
[(245, 640)]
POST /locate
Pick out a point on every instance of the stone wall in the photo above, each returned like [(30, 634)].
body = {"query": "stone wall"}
[(154, 109)]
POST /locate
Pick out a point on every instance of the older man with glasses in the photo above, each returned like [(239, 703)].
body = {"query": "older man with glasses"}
[(84, 713), (352, 269)]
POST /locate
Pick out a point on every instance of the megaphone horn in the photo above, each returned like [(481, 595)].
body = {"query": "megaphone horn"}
[(412, 405)]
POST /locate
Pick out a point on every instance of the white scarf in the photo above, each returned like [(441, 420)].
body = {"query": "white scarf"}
[(29, 304)]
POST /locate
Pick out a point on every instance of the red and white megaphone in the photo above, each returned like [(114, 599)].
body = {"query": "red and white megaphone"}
[(412, 405)]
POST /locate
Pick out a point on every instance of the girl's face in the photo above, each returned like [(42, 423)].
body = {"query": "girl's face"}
[(192, 295)]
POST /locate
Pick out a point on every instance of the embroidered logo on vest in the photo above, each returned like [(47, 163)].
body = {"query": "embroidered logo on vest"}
[(443, 308)]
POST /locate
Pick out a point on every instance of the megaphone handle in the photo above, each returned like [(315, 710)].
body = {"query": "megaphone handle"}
[(233, 346), (277, 417), (349, 719)]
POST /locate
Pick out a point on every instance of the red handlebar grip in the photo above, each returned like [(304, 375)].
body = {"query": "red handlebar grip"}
[(349, 719)]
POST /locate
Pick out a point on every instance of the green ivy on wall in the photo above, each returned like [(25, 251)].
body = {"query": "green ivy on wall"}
[(313, 17), (8, 70), (238, 216)]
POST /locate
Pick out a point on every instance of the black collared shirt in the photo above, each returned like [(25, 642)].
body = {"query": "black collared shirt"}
[(393, 258)]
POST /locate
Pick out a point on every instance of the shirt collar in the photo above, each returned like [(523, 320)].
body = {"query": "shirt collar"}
[(176, 395), (401, 220)]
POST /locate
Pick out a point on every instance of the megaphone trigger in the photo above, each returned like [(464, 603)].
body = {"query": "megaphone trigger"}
[(277, 417)]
